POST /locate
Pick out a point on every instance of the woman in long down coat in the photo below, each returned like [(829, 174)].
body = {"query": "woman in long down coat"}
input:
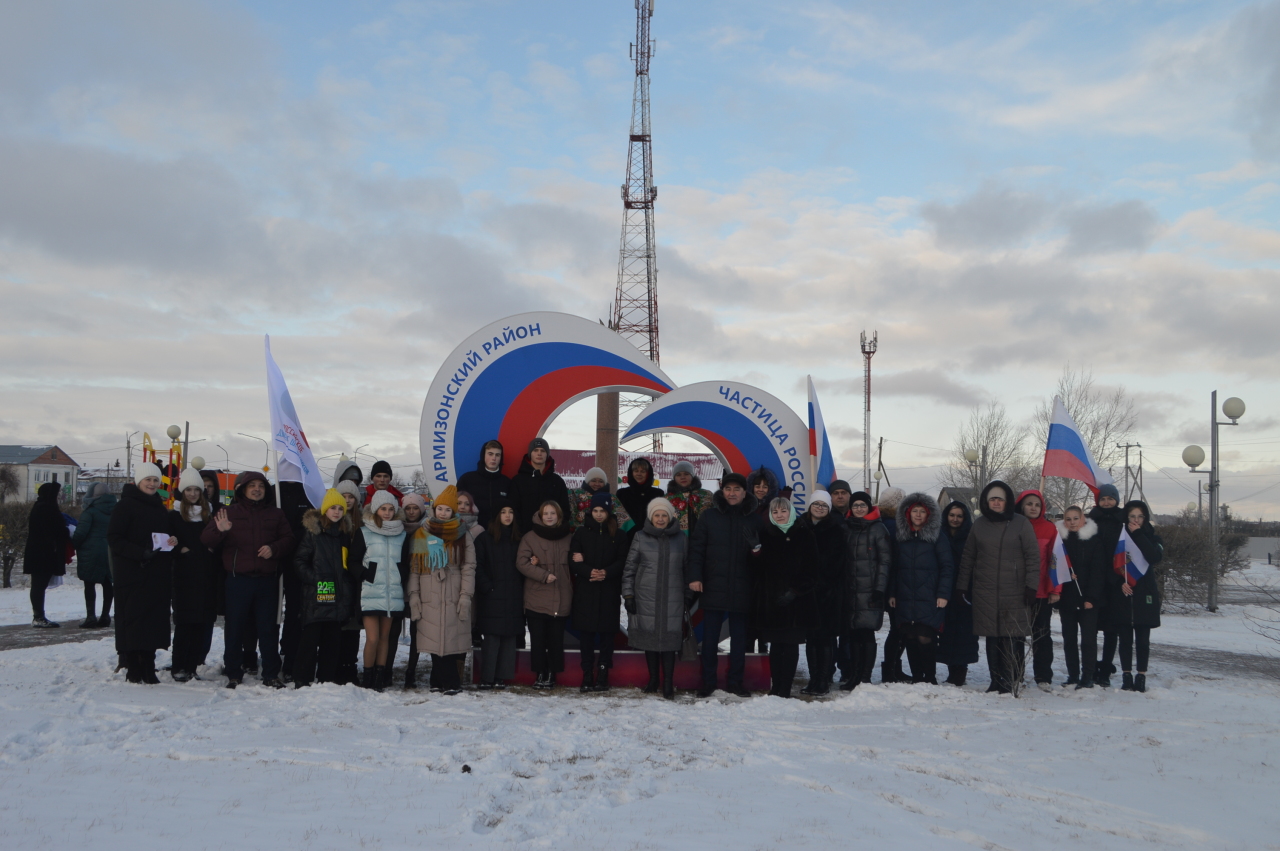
[(46, 552), (831, 536), (196, 573), (653, 590), (93, 567), (440, 590), (142, 542), (1001, 561), (923, 576), (499, 596), (865, 583), (957, 646), (597, 553), (785, 575), (1134, 610)]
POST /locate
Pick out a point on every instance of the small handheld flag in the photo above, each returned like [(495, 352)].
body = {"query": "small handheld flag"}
[(1129, 561), (1067, 456), (1060, 570)]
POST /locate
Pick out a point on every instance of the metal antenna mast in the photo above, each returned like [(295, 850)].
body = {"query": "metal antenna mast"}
[(635, 307), (868, 351)]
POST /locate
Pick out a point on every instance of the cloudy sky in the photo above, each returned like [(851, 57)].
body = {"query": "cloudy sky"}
[(998, 188)]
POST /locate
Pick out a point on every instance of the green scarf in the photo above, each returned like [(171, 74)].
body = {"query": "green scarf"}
[(791, 518)]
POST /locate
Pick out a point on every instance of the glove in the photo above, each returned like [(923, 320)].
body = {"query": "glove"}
[(690, 597), (788, 597), (464, 606), (629, 603), (436, 556), (1029, 596), (876, 600)]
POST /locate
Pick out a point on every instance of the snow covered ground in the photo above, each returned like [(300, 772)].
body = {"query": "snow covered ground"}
[(86, 758)]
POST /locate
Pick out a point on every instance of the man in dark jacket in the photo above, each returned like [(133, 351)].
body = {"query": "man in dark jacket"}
[(536, 483), (486, 483), (727, 534), (256, 543), (46, 552)]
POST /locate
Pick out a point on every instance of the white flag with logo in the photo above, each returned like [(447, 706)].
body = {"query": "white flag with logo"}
[(296, 463)]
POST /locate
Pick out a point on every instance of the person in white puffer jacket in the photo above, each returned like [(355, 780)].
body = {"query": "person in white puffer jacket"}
[(382, 591)]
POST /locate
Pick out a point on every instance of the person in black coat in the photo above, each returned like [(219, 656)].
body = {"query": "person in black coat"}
[(196, 573), (499, 596), (722, 542), (1110, 518), (486, 483), (865, 582), (1133, 608), (327, 564), (957, 646), (923, 576), (45, 555), (784, 577), (640, 490), (142, 541), (831, 537), (1082, 599), (536, 483), (597, 555)]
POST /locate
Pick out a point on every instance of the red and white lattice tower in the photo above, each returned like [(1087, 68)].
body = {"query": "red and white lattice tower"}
[(635, 307), (868, 352)]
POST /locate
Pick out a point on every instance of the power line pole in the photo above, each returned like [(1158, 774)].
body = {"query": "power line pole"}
[(635, 306), (868, 352), (1128, 491)]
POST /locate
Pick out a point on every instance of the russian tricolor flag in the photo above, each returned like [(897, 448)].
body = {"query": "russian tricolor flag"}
[(1060, 570), (1129, 561), (1066, 454), (821, 460)]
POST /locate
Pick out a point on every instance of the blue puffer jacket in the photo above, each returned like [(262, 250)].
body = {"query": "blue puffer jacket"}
[(386, 592), (923, 570)]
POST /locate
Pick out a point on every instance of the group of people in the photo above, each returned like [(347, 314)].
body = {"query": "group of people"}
[(496, 558)]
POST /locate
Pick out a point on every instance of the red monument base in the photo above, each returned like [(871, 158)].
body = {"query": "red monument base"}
[(630, 670)]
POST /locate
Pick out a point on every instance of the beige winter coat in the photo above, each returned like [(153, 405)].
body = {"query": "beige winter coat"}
[(547, 598), (440, 603)]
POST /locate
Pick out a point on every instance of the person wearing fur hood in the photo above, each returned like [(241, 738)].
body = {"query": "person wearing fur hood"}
[(866, 581), (687, 496), (1001, 562), (327, 563), (923, 576), (1133, 611), (382, 592), (1082, 599)]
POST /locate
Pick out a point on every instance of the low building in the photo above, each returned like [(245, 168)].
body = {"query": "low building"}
[(38, 465)]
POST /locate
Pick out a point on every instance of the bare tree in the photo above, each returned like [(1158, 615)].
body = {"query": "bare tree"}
[(1000, 443), (1105, 419), (10, 481), (1188, 561), (13, 536), (420, 483)]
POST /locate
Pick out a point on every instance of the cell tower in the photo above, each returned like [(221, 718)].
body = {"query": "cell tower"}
[(635, 307), (868, 352)]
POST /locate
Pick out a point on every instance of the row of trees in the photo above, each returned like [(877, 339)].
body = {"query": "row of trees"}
[(1014, 452)]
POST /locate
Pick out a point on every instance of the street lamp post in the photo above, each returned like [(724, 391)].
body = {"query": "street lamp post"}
[(266, 448), (1193, 456)]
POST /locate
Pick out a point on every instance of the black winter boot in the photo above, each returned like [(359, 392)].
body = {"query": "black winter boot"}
[(602, 678), (147, 660), (651, 659), (957, 675), (370, 677), (669, 675), (588, 681), (411, 672), (1140, 683), (384, 677), (1128, 681), (132, 668)]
